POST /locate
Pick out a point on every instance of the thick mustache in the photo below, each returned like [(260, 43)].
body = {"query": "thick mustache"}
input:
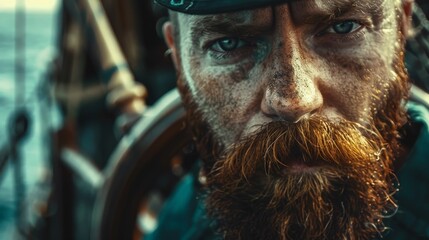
[(313, 141)]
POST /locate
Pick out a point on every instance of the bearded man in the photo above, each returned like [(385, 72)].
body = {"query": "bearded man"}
[(298, 112)]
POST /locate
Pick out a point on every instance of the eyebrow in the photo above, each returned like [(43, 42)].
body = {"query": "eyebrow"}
[(227, 26)]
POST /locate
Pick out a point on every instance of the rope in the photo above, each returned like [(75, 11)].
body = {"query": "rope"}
[(20, 122), (4, 156)]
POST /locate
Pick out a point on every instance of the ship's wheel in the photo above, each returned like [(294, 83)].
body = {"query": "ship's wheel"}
[(142, 171)]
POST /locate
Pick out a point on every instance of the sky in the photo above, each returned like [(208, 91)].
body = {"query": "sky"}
[(31, 5)]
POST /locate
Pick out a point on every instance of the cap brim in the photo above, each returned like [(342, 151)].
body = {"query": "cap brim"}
[(215, 6)]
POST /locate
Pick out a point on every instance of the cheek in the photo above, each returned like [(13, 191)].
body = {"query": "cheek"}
[(224, 94), (357, 87)]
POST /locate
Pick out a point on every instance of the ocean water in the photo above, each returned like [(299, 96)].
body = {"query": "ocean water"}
[(40, 43)]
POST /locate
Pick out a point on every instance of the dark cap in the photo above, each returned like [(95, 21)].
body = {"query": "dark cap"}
[(214, 6)]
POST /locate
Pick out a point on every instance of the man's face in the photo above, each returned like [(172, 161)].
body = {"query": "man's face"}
[(288, 62), (302, 103)]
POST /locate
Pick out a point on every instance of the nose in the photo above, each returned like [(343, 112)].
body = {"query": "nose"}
[(291, 96), (291, 91)]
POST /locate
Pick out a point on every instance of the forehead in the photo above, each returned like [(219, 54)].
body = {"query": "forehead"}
[(299, 9), (244, 17)]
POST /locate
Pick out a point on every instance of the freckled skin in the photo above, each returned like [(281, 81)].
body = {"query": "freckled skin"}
[(296, 74)]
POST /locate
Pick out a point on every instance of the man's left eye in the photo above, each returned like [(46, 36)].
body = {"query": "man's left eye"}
[(228, 44), (344, 27)]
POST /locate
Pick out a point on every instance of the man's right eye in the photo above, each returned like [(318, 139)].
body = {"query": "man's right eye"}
[(228, 44), (344, 27)]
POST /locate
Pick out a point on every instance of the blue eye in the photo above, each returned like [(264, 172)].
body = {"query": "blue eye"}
[(344, 27), (228, 44)]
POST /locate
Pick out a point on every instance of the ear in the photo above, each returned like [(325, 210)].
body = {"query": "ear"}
[(168, 32), (407, 12)]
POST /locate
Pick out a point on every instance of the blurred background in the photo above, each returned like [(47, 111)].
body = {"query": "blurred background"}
[(106, 139), (40, 28), (74, 80)]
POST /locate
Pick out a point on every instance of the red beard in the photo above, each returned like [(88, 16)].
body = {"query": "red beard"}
[(254, 194), (344, 192)]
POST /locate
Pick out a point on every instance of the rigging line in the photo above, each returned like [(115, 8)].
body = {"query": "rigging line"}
[(19, 100), (4, 156)]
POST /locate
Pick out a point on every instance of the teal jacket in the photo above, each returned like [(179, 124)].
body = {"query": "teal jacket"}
[(183, 217), (412, 218)]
